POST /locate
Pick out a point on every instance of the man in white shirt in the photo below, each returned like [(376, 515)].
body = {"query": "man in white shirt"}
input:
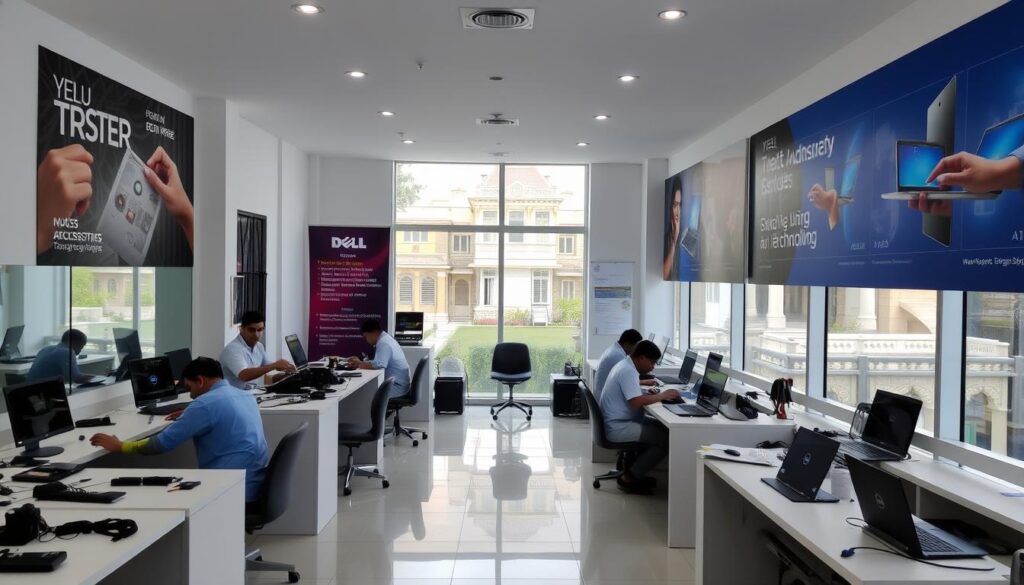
[(615, 353), (245, 359), (387, 356), (622, 403)]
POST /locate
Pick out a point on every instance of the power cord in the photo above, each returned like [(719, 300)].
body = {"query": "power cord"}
[(848, 552)]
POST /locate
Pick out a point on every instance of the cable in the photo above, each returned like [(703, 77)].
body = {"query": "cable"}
[(848, 552)]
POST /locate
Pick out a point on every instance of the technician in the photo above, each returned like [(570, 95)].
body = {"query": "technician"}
[(245, 358), (615, 353), (387, 356), (61, 360)]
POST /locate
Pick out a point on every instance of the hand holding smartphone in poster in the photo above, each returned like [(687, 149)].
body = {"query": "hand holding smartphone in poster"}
[(64, 181), (131, 212), (162, 174)]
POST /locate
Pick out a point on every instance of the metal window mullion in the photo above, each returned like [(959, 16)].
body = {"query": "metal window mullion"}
[(136, 291), (949, 370), (501, 264), (817, 309)]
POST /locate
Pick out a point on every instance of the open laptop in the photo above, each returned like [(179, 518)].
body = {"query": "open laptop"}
[(685, 370), (714, 361), (888, 430), (709, 397), (886, 511), (690, 238), (9, 352), (298, 353), (153, 384), (805, 467)]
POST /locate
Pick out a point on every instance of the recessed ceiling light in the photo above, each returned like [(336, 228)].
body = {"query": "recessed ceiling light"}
[(356, 74), (386, 113), (628, 78), (307, 9), (496, 78), (601, 117), (582, 144), (408, 141), (671, 14)]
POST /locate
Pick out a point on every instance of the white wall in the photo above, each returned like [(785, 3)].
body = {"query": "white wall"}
[(352, 192), (657, 294), (293, 286)]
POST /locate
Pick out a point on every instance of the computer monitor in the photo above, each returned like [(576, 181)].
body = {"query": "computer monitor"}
[(12, 337), (298, 354), (126, 341), (714, 362), (409, 327), (38, 410), (152, 380), (179, 358)]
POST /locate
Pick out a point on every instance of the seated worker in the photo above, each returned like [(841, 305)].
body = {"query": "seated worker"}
[(245, 358), (387, 356), (224, 425), (61, 360), (622, 403), (615, 353)]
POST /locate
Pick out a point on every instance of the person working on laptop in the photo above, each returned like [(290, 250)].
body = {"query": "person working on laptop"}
[(615, 353), (622, 403), (224, 425), (387, 356), (245, 358), (972, 173), (61, 360)]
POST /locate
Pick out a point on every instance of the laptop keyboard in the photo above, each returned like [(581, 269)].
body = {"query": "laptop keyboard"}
[(855, 448), (933, 544)]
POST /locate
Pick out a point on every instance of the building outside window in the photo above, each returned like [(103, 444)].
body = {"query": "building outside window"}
[(566, 244), (405, 290), (427, 291), (460, 243), (775, 332), (710, 317), (568, 289)]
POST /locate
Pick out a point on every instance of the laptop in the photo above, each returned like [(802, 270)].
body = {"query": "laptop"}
[(298, 354), (153, 384), (709, 397), (685, 370), (806, 464), (691, 238), (888, 430), (12, 338), (885, 508), (714, 361), (850, 174)]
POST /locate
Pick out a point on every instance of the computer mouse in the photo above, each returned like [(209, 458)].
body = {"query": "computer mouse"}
[(4, 503), (732, 452), (81, 437)]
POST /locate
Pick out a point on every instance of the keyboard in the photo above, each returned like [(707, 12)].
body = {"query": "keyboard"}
[(933, 544), (53, 492), (862, 450), (163, 409)]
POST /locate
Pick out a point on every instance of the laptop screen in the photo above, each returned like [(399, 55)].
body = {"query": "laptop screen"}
[(295, 347), (883, 502), (711, 389), (152, 380), (179, 359), (714, 362), (891, 422), (914, 162), (807, 462), (686, 370), (1000, 140)]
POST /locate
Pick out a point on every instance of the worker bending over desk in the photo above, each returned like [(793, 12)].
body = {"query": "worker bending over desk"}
[(224, 425), (387, 356), (615, 353), (60, 360), (622, 403), (245, 358)]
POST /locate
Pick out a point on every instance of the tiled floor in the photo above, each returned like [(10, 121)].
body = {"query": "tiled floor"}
[(488, 503)]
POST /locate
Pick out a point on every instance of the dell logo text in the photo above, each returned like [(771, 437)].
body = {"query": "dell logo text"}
[(348, 243)]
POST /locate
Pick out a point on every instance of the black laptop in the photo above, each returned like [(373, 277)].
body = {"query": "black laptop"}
[(714, 361), (887, 514), (685, 370), (298, 353), (888, 431), (709, 397), (805, 467)]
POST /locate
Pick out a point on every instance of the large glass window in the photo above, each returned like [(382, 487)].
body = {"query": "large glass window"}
[(994, 376), (775, 332), (710, 317)]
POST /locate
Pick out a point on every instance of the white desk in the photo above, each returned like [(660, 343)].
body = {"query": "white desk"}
[(90, 360), (155, 555), (737, 507), (128, 426)]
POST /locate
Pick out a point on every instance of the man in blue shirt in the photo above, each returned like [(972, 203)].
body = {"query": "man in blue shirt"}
[(245, 358), (61, 360), (615, 353), (622, 404), (224, 425), (387, 356)]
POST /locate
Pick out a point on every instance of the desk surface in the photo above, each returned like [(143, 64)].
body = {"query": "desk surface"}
[(22, 368), (341, 392), (670, 419), (129, 426), (821, 528), (91, 557)]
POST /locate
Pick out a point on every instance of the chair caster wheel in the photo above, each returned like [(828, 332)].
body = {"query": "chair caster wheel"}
[(386, 484), (259, 558), (597, 485), (424, 436), (527, 417), (415, 443), (494, 417), (347, 492), (293, 576), (375, 470)]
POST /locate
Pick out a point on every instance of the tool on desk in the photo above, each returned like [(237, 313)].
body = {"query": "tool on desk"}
[(157, 480), (781, 395), (103, 421), (49, 472), (804, 468), (30, 562), (57, 491), (1017, 568), (185, 485), (116, 528), (21, 525), (888, 429)]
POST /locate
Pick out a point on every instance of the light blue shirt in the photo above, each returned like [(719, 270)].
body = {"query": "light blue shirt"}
[(227, 431), (55, 360), (238, 356), (611, 356), (622, 423), (388, 356)]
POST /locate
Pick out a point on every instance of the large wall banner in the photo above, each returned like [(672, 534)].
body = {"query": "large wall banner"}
[(348, 283), (856, 190), (705, 219), (114, 172)]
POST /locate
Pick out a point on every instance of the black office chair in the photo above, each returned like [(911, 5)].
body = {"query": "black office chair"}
[(601, 439), (274, 500), (510, 366), (411, 399), (354, 435)]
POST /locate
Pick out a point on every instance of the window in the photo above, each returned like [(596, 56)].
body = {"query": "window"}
[(414, 237), (111, 286), (568, 289), (775, 332), (427, 291), (251, 261), (994, 375), (710, 317), (566, 245), (542, 219), (405, 290), (460, 243), (489, 217), (516, 218), (489, 288), (540, 286)]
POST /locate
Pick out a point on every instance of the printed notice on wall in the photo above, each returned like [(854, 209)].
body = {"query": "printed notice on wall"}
[(611, 303), (348, 284)]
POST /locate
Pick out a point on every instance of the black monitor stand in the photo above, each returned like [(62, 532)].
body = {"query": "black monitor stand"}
[(34, 451)]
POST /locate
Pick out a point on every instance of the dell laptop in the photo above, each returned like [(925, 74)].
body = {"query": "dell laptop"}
[(690, 239), (713, 362), (887, 514), (888, 430), (298, 354), (685, 370), (153, 383), (805, 467), (709, 397), (12, 338)]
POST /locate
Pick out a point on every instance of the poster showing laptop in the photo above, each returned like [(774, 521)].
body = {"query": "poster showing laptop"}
[(691, 237), (849, 184)]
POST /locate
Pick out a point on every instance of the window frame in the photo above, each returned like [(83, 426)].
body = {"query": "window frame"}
[(567, 250), (542, 276)]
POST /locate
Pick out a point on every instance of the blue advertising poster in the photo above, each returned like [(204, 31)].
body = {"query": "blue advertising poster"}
[(904, 179)]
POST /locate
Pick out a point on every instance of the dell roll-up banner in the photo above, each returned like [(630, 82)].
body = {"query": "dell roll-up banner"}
[(348, 284), (904, 179), (114, 172)]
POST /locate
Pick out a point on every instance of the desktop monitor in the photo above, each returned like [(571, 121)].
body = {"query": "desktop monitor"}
[(295, 348), (12, 337), (126, 341), (409, 327), (179, 358), (38, 410), (152, 380), (713, 363)]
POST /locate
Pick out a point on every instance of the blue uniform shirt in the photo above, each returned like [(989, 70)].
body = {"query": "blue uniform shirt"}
[(238, 356), (55, 360), (611, 356), (622, 423), (388, 356), (227, 431)]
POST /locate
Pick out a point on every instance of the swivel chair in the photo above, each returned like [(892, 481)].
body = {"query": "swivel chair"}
[(274, 500), (601, 439), (510, 366), (353, 436), (411, 399)]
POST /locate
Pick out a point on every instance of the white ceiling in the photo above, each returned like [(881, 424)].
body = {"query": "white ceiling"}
[(286, 71)]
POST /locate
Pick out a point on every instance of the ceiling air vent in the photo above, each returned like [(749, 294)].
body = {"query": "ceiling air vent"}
[(501, 18), (497, 120)]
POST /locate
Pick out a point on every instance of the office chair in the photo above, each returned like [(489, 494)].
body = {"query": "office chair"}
[(411, 399), (510, 366), (274, 500), (510, 474), (353, 436), (601, 439)]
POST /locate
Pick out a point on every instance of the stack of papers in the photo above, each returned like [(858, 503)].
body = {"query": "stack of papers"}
[(749, 455)]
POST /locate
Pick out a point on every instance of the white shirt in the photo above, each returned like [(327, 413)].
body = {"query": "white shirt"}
[(388, 356), (238, 356), (622, 423), (611, 356)]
